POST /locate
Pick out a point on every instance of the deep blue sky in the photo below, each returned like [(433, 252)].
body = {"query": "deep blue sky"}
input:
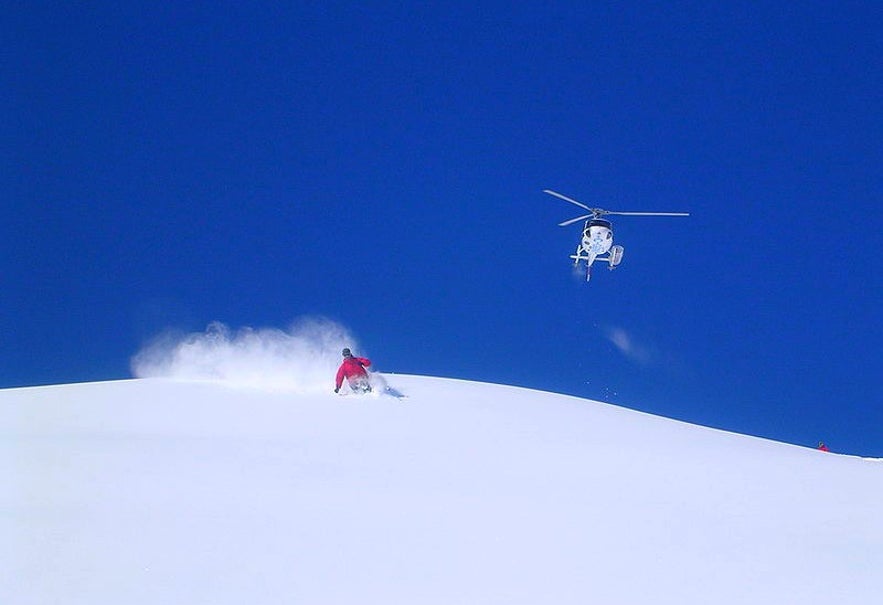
[(382, 165)]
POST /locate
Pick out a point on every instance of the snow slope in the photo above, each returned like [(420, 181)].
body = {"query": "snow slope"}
[(160, 491)]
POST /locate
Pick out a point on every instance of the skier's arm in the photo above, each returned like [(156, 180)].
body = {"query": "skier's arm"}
[(364, 361), (339, 380)]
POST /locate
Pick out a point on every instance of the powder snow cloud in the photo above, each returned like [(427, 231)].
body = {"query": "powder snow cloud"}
[(303, 358), (627, 345)]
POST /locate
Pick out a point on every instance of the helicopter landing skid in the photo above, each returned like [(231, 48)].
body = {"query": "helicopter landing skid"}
[(612, 258), (589, 260)]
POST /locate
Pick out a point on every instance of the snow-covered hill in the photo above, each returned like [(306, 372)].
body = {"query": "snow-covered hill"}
[(160, 491)]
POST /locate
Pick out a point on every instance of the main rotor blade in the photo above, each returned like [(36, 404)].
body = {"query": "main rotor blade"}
[(575, 220), (565, 198), (649, 213)]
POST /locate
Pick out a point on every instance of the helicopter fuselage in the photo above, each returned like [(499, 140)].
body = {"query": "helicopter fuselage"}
[(597, 237), (596, 242)]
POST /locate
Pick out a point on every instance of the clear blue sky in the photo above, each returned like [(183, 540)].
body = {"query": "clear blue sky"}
[(381, 164)]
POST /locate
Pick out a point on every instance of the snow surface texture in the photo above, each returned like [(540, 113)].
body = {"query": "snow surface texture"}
[(168, 491)]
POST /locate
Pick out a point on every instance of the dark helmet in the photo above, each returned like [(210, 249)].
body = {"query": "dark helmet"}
[(347, 353)]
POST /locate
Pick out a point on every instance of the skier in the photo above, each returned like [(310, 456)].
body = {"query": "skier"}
[(823, 447), (353, 368)]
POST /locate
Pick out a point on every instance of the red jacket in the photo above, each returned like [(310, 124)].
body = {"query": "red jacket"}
[(352, 367)]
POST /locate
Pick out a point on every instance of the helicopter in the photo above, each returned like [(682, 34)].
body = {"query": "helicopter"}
[(597, 237)]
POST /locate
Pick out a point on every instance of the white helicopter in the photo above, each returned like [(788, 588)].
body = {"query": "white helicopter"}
[(598, 234)]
